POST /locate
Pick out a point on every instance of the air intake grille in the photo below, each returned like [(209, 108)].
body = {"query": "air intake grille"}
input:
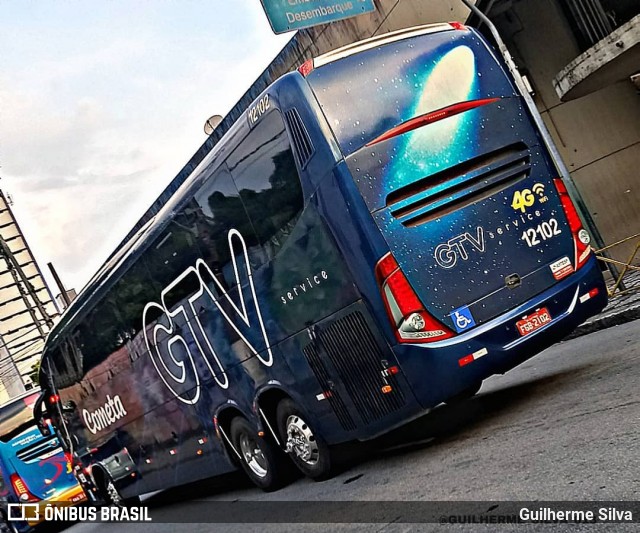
[(354, 353), (459, 186), (301, 141), (332, 395)]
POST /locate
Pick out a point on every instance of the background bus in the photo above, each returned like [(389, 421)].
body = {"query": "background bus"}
[(33, 468), (380, 231)]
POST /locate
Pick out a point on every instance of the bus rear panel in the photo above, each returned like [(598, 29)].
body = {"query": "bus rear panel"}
[(488, 259)]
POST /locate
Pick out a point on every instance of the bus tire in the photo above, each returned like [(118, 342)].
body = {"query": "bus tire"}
[(113, 498), (305, 446), (261, 461), (9, 526)]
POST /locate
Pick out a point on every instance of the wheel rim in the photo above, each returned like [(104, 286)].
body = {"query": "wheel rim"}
[(301, 441), (253, 456), (113, 494)]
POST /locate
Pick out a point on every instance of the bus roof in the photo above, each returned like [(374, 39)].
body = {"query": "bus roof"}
[(379, 40)]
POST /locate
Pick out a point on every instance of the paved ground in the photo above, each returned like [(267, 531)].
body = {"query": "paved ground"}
[(563, 426), (623, 307)]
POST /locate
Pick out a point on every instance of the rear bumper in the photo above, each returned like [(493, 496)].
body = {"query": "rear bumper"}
[(72, 496), (434, 371)]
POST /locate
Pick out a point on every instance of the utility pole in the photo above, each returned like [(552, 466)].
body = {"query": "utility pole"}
[(63, 291)]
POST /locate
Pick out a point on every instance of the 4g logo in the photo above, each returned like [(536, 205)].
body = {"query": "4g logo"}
[(527, 197)]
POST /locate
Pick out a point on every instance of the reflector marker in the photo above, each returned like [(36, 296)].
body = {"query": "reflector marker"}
[(589, 295), (472, 357), (323, 396), (391, 371)]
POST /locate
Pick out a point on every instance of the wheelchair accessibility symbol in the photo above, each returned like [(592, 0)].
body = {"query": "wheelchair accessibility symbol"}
[(462, 319)]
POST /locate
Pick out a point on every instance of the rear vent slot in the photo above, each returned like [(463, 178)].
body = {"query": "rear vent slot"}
[(353, 351), (39, 450), (459, 186), (299, 137)]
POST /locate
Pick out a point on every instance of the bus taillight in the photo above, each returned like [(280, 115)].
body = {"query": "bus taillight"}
[(458, 26), (21, 489), (306, 68), (581, 236), (411, 321)]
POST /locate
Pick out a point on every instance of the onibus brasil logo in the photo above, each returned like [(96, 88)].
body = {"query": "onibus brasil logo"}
[(35, 513)]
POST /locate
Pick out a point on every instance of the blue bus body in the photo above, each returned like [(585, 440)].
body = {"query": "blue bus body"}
[(33, 468), (382, 231)]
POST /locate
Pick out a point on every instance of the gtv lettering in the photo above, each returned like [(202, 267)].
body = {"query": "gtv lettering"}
[(187, 346), (447, 255)]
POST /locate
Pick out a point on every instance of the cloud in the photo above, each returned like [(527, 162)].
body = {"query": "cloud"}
[(99, 113)]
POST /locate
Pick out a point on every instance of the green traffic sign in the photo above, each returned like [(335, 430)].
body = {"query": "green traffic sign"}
[(289, 15)]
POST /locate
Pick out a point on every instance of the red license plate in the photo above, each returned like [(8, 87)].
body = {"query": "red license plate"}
[(533, 322)]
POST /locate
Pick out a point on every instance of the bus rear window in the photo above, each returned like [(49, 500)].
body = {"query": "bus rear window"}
[(365, 94), (16, 416)]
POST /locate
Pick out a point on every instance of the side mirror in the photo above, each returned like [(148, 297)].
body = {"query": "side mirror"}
[(44, 428), (68, 408), (38, 416)]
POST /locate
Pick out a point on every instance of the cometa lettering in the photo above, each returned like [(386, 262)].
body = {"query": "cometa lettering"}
[(104, 416)]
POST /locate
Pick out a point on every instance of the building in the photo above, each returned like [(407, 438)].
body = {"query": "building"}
[(24, 322)]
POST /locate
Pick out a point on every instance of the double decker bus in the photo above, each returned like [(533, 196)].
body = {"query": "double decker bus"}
[(33, 468), (378, 233)]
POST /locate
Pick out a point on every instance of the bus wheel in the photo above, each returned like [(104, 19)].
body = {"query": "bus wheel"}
[(8, 526), (261, 461), (307, 449), (112, 496)]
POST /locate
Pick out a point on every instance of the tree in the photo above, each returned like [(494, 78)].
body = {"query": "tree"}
[(33, 375)]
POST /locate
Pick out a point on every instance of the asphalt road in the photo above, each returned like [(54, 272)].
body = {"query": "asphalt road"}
[(563, 426)]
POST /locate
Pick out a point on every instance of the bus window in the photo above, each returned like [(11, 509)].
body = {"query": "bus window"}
[(217, 208), (265, 173), (100, 337), (407, 78), (171, 254), (132, 292)]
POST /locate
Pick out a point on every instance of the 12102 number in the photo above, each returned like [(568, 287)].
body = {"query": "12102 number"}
[(544, 232), (259, 109)]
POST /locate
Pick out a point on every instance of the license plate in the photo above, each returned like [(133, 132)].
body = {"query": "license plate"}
[(533, 322)]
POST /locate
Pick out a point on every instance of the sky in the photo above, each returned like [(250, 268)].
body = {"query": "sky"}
[(103, 102)]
